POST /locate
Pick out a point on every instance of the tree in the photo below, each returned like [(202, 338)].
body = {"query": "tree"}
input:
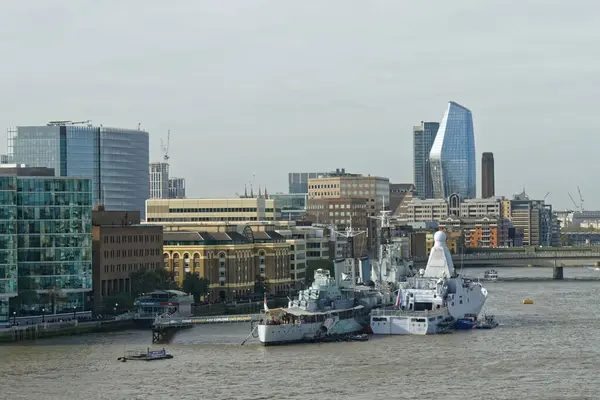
[(195, 285), (313, 265), (120, 301), (145, 281), (260, 284), (55, 295), (27, 294)]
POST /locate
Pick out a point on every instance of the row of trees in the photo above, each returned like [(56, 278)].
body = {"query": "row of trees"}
[(156, 279), (141, 282)]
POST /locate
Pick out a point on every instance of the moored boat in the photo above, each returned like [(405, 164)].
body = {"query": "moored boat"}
[(321, 311), (434, 301)]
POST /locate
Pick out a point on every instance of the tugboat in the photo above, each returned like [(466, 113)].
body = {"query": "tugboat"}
[(433, 301)]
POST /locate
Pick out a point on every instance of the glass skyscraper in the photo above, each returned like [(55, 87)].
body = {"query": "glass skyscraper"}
[(116, 160), (423, 138), (45, 241), (452, 157)]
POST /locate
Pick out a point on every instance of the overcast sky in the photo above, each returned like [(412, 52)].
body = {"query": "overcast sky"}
[(268, 87)]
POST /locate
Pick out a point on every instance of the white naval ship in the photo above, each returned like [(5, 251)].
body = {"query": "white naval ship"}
[(433, 300), (321, 311)]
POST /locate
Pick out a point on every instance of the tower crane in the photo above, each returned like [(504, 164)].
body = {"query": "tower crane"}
[(165, 149), (573, 201), (580, 199)]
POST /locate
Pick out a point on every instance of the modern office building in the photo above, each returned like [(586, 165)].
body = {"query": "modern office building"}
[(452, 156), (534, 218), (116, 160), (400, 195), (176, 188), (487, 175), (329, 198), (165, 211), (45, 241), (423, 138), (298, 181), (4, 159), (159, 180), (293, 205), (120, 246)]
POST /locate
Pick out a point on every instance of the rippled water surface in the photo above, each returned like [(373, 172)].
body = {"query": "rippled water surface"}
[(548, 350)]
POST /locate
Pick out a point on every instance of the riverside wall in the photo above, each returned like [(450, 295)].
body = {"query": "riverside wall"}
[(48, 330)]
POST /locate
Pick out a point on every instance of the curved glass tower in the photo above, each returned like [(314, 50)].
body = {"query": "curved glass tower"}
[(452, 157)]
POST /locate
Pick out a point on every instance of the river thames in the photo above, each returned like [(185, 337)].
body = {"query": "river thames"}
[(547, 350)]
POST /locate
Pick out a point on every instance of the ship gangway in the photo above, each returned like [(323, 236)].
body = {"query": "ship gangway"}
[(166, 325)]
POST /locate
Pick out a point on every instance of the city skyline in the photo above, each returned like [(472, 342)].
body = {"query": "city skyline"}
[(279, 82)]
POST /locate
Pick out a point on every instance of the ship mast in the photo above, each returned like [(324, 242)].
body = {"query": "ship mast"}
[(349, 233)]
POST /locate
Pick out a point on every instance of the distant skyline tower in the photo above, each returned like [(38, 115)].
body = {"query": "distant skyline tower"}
[(488, 188), (452, 156), (159, 180), (423, 138)]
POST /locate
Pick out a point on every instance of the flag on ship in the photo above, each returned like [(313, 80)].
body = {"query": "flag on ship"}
[(266, 308), (399, 299)]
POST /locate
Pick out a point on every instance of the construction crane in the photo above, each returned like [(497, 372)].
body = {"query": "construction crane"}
[(165, 149), (573, 200), (546, 195), (54, 123), (580, 199)]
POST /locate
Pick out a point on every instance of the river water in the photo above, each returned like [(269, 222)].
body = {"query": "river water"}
[(547, 350)]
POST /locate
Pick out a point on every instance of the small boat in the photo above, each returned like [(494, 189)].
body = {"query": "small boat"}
[(488, 322), (145, 355), (465, 324), (363, 337), (491, 275)]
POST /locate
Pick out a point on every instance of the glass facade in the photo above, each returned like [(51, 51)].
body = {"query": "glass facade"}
[(423, 138), (298, 181), (46, 243), (8, 244), (124, 178), (452, 156), (116, 160)]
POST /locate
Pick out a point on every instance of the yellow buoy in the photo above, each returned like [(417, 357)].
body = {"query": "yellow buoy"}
[(527, 301)]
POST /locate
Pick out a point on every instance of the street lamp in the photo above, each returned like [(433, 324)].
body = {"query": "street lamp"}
[(14, 317), (116, 306), (74, 310), (43, 315)]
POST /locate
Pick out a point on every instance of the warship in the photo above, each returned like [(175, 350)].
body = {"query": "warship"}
[(433, 301)]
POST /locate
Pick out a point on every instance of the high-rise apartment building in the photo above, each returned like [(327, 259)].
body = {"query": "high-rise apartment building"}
[(298, 181), (176, 188), (487, 175), (452, 156), (159, 180), (45, 241), (116, 160), (423, 138)]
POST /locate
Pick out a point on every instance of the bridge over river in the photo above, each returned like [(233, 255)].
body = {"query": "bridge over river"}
[(546, 258)]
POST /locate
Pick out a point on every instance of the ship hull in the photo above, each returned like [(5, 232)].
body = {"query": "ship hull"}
[(402, 324), (270, 335)]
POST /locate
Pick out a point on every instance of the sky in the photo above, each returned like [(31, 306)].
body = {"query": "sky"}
[(260, 88)]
